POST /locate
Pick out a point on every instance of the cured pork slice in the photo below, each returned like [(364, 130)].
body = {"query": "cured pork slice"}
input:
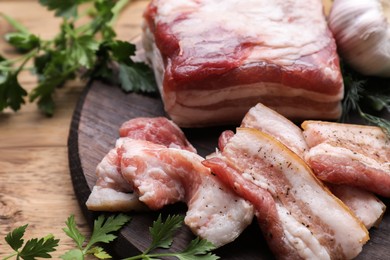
[(213, 59), (163, 176), (356, 155), (299, 217), (111, 191), (366, 206)]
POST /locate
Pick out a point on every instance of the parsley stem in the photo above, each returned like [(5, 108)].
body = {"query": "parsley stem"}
[(150, 256), (10, 256), (116, 10)]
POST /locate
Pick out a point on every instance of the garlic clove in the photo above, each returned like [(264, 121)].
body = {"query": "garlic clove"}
[(362, 32)]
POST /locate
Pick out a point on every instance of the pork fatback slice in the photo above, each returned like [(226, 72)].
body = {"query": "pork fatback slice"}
[(299, 217), (356, 155), (366, 206), (163, 176), (111, 191), (213, 59)]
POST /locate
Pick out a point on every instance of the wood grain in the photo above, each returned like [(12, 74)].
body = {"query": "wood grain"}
[(35, 183), (94, 131)]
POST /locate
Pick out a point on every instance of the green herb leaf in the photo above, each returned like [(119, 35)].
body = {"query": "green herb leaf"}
[(83, 50), (73, 232), (122, 51), (11, 92), (198, 249), (39, 248), (23, 41), (74, 254), (15, 24), (99, 253), (15, 237), (103, 228), (162, 232), (357, 93), (63, 8), (137, 78)]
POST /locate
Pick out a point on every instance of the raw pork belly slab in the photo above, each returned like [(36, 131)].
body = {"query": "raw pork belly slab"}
[(213, 59)]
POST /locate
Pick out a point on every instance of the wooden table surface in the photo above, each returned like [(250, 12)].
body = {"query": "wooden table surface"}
[(35, 183)]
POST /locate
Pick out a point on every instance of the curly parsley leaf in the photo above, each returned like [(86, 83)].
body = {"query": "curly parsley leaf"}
[(33, 248)]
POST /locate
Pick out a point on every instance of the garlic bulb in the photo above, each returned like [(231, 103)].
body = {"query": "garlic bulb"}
[(362, 34)]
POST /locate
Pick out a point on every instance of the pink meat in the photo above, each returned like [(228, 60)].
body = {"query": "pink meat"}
[(211, 68), (289, 199), (111, 191), (356, 155), (364, 204), (158, 130), (163, 176)]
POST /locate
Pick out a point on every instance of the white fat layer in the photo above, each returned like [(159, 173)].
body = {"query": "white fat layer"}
[(329, 149), (367, 207), (217, 214), (316, 132), (267, 120), (278, 28), (106, 199), (300, 237), (201, 97), (214, 212), (347, 231), (234, 112)]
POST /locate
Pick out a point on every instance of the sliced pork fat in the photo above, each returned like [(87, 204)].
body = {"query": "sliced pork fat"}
[(271, 122), (163, 176), (300, 218), (158, 130), (211, 68), (366, 206), (112, 192), (356, 155)]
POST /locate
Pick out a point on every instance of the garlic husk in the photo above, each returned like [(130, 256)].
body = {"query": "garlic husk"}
[(362, 34)]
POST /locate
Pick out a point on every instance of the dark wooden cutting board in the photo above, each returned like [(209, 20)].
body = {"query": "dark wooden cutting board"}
[(93, 132)]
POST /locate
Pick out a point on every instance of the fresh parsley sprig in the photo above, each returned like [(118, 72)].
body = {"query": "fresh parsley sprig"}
[(372, 94), (162, 237), (32, 248), (86, 51), (102, 233), (162, 234)]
